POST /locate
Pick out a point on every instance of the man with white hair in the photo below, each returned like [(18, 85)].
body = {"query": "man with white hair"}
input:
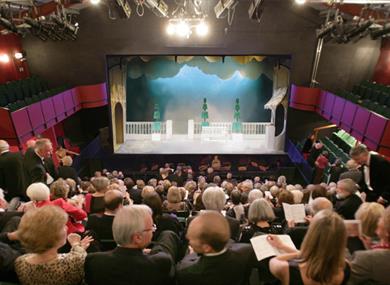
[(353, 172), (214, 199), (346, 201), (34, 167), (11, 175), (127, 264)]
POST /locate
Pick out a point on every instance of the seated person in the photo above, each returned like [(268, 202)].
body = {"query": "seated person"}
[(43, 265), (59, 195), (260, 217), (94, 203), (372, 266), (322, 256), (174, 201), (216, 163), (127, 264), (66, 170), (163, 221), (101, 225), (236, 209), (213, 260), (346, 201)]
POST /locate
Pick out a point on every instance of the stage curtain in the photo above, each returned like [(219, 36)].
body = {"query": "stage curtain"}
[(244, 59)]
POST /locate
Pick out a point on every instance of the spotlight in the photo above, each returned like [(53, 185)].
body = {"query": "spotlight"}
[(300, 2), (171, 28), (183, 29), (4, 58), (95, 2), (18, 55), (202, 29)]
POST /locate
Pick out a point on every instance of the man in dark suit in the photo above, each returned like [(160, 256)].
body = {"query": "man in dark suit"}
[(34, 167), (346, 202), (376, 169), (214, 261), (11, 174), (127, 264)]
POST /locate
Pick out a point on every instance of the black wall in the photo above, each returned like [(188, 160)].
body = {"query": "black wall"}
[(284, 29)]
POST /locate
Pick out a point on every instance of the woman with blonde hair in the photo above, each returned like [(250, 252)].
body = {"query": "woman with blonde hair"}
[(369, 215), (43, 265), (174, 200), (322, 256)]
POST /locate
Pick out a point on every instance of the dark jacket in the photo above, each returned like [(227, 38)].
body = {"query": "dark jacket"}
[(231, 267), (347, 207), (132, 266), (34, 168), (65, 172), (12, 175)]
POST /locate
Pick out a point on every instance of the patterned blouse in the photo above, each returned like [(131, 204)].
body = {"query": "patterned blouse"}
[(66, 269)]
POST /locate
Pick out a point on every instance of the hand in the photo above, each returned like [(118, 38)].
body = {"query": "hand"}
[(146, 250), (275, 241), (308, 218), (13, 235), (363, 196), (366, 241), (74, 239), (291, 223), (86, 241)]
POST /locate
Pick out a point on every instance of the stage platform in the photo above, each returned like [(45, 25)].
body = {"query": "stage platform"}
[(183, 145)]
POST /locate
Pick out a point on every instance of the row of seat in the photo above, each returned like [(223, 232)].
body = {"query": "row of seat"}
[(20, 93), (335, 151), (375, 97)]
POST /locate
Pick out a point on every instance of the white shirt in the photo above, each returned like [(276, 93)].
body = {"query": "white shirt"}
[(366, 171), (216, 253)]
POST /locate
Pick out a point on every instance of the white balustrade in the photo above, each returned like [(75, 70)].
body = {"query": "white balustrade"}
[(138, 130)]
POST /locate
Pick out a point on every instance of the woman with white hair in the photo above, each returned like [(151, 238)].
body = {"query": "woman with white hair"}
[(39, 195), (260, 217)]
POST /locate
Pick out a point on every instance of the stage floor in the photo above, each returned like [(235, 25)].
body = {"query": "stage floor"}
[(180, 144)]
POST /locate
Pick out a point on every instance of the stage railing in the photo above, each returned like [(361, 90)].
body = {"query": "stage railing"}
[(139, 129), (247, 128)]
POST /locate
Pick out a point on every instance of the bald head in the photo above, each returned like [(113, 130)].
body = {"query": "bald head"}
[(4, 146), (113, 200), (208, 232), (319, 204)]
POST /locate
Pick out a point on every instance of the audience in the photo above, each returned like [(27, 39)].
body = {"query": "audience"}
[(66, 170), (141, 244), (346, 201), (127, 264), (213, 261), (321, 259), (42, 232), (371, 266)]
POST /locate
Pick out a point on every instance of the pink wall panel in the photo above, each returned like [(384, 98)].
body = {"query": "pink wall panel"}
[(338, 109), (48, 112), (59, 107), (68, 102), (36, 118), (328, 107), (22, 124), (348, 116), (360, 122)]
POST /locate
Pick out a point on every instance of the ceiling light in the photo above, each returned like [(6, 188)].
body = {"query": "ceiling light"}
[(202, 29), (18, 55), (300, 2), (171, 28), (4, 58), (183, 29), (95, 2)]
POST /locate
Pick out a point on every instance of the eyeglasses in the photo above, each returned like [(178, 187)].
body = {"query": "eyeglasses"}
[(153, 229)]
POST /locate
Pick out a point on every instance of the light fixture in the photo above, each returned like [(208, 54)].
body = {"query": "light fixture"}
[(202, 29), (18, 55), (223, 6), (183, 29), (300, 2), (4, 58), (158, 7), (171, 29), (95, 2)]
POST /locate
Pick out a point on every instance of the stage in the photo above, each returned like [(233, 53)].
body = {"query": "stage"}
[(183, 145)]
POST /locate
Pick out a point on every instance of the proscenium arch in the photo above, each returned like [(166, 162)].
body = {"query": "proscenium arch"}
[(118, 111)]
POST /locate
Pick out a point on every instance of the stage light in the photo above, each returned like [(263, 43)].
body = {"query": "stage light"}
[(202, 29), (183, 29), (4, 58), (300, 2), (171, 29), (18, 55), (95, 2)]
